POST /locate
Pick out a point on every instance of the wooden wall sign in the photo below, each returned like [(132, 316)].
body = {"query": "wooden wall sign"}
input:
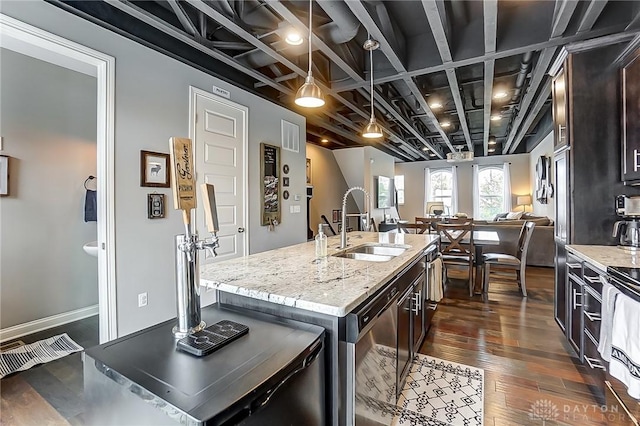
[(270, 177)]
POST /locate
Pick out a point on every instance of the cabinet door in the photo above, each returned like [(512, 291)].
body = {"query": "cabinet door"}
[(630, 122), (562, 191), (560, 294), (418, 330), (560, 113), (404, 338), (574, 331)]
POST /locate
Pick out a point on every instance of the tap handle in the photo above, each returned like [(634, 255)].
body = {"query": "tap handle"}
[(210, 210), (210, 245)]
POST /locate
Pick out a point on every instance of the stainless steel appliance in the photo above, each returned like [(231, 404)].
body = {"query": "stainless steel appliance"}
[(628, 234), (274, 375), (628, 207), (379, 344)]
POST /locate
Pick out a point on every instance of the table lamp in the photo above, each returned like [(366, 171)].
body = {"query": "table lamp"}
[(523, 200)]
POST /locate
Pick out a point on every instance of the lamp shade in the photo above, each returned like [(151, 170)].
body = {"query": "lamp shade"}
[(309, 94), (372, 129), (523, 200)]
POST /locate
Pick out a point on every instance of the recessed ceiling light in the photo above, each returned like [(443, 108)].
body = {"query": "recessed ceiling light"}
[(432, 154), (501, 94), (424, 148), (324, 140), (293, 37), (492, 141), (492, 149), (435, 104), (496, 117), (445, 124)]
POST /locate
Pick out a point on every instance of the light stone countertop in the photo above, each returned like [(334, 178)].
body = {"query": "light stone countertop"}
[(603, 256), (292, 276)]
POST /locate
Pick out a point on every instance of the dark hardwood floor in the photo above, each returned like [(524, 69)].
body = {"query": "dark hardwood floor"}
[(51, 393), (514, 339), (521, 349)]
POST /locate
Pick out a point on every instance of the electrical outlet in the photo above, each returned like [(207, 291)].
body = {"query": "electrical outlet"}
[(142, 299)]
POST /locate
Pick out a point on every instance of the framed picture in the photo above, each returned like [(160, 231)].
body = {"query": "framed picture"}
[(336, 216), (308, 171), (4, 175), (154, 169), (270, 172), (155, 206)]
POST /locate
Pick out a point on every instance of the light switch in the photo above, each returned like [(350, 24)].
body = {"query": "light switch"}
[(291, 209), (296, 208)]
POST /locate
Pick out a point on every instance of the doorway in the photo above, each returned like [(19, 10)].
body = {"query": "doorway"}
[(31, 41)]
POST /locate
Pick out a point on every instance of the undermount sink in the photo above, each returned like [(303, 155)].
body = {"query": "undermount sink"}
[(91, 248), (373, 252)]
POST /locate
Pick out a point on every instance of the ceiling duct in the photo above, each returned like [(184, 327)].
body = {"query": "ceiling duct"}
[(460, 155)]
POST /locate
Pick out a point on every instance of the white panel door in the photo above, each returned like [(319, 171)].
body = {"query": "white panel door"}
[(220, 141)]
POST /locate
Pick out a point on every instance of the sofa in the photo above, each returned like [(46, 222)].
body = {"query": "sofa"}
[(541, 247)]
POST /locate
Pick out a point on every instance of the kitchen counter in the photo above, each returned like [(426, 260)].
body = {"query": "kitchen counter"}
[(292, 276), (603, 256)]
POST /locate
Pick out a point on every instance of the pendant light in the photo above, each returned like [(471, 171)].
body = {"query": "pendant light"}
[(309, 94), (372, 130)]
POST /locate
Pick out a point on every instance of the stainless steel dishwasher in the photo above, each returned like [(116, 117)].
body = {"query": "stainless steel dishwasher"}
[(372, 352)]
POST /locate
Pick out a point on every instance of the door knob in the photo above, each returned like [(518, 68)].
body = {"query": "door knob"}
[(241, 230)]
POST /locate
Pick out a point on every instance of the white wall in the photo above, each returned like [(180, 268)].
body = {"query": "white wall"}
[(328, 187), (544, 148), (48, 118), (151, 105), (414, 181)]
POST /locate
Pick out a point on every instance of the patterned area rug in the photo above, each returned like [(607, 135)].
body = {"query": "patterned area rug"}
[(436, 393), (25, 357)]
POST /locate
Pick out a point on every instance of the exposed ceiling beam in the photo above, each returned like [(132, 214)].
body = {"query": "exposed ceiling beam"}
[(544, 61), (490, 16), (196, 43), (360, 11), (618, 30), (565, 12), (635, 22), (540, 102), (591, 15), (186, 23), (437, 28)]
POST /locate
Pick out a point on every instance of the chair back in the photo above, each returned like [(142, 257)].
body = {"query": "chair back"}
[(458, 220), (418, 228), (523, 240), (456, 238)]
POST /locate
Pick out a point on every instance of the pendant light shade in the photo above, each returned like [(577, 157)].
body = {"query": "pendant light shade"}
[(372, 130), (309, 94)]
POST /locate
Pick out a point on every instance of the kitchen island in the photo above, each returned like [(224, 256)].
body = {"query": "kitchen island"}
[(291, 283)]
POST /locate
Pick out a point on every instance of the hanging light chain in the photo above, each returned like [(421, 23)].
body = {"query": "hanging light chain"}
[(310, 32)]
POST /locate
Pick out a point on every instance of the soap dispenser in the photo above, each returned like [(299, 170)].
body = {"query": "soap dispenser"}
[(321, 243)]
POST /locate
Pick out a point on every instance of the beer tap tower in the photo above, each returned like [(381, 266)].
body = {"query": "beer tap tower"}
[(187, 245)]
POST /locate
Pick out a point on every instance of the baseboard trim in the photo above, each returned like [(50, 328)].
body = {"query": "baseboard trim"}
[(48, 322)]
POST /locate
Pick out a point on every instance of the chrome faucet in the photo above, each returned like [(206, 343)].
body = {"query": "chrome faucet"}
[(343, 232)]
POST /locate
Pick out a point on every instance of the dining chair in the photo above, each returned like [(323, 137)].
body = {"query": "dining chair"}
[(418, 228), (456, 247), (516, 263)]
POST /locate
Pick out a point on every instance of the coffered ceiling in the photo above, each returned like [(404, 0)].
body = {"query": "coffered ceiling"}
[(460, 54)]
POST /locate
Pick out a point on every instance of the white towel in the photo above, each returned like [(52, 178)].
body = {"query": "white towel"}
[(435, 281), (609, 294), (625, 344)]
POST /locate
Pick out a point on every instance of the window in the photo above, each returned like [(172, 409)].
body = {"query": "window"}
[(398, 181), (441, 188), (490, 192)]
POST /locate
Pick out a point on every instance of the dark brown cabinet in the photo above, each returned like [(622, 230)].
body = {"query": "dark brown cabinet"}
[(574, 300), (630, 76)]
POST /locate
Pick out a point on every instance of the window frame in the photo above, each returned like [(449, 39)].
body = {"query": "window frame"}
[(499, 195)]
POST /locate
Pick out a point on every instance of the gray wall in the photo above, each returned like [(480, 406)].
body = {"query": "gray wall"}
[(152, 104), (414, 181), (48, 117)]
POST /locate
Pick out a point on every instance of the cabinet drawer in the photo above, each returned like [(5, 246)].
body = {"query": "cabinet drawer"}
[(591, 309), (592, 277), (574, 265), (592, 360)]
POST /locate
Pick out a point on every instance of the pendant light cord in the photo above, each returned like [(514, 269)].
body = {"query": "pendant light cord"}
[(310, 33), (371, 63)]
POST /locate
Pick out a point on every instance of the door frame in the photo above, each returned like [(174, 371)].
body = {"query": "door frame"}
[(194, 93), (34, 42)]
